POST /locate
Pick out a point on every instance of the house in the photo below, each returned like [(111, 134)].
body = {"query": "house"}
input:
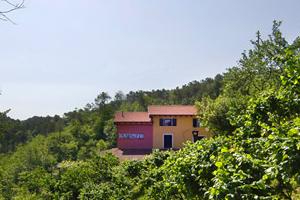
[(162, 127)]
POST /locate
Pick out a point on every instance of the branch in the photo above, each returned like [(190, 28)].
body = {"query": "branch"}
[(11, 7)]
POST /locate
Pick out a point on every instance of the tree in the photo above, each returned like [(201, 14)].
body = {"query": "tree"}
[(110, 132), (257, 71), (120, 96), (102, 99), (8, 7)]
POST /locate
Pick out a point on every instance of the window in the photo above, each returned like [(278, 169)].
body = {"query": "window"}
[(167, 122), (196, 123)]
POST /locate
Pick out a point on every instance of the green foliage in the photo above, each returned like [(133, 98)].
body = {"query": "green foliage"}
[(72, 177), (259, 71), (38, 181), (75, 176), (258, 161), (14, 132), (254, 155), (215, 114), (110, 132), (63, 146), (95, 120)]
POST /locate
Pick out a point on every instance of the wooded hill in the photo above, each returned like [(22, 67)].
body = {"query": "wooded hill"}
[(100, 112), (253, 110)]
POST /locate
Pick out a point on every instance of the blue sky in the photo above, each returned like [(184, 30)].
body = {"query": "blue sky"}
[(62, 53)]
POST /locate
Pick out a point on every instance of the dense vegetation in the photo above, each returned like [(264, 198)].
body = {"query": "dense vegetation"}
[(97, 116), (253, 109)]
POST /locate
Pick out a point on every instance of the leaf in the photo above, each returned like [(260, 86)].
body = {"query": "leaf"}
[(219, 164), (224, 150), (271, 137)]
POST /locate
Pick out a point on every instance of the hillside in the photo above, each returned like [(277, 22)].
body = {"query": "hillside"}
[(100, 112), (253, 110)]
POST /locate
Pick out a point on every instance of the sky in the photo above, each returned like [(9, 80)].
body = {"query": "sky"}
[(62, 53)]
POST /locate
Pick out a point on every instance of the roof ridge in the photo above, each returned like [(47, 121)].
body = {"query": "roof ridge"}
[(132, 117), (132, 111), (171, 105)]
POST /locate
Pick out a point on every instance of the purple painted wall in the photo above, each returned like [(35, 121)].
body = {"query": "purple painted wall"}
[(145, 143)]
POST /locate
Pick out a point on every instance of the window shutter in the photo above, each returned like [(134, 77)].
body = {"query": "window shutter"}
[(161, 122), (196, 122), (174, 122)]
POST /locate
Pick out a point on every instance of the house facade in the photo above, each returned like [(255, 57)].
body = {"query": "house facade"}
[(162, 127)]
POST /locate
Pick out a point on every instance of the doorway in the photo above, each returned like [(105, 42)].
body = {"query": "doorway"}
[(168, 140)]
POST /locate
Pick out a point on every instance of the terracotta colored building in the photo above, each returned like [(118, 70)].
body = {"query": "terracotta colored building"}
[(162, 127)]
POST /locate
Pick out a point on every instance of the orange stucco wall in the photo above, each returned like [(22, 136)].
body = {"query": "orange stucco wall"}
[(181, 132)]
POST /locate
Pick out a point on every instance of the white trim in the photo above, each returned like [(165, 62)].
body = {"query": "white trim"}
[(163, 139)]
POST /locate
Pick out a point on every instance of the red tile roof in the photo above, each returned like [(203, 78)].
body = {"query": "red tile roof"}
[(132, 117), (172, 110)]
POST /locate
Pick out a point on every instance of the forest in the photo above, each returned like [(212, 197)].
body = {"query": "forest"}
[(253, 110)]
